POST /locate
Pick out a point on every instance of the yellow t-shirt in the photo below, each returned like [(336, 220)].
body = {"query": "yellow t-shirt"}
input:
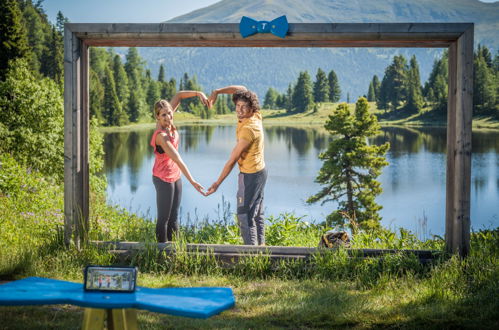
[(251, 130)]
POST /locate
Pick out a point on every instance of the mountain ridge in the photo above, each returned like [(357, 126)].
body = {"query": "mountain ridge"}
[(261, 68)]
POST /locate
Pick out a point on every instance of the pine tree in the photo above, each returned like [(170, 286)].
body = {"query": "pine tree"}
[(270, 101), (281, 101), (161, 74), (414, 89), (484, 53), (37, 34), (13, 40), (96, 96), (60, 21), (484, 98), (134, 104), (436, 89), (99, 60), (377, 86), (321, 87), (193, 104), (334, 87), (303, 99), (220, 106), (289, 99), (393, 85), (113, 112), (52, 59), (371, 95), (230, 104), (121, 81), (168, 89), (351, 167), (152, 94), (134, 68)]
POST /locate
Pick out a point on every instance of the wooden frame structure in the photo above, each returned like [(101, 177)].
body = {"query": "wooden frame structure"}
[(457, 37)]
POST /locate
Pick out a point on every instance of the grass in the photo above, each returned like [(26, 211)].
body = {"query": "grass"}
[(332, 291)]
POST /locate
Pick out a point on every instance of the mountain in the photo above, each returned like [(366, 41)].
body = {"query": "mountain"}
[(261, 68), (485, 15)]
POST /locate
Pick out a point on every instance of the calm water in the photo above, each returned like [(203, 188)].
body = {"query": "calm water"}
[(413, 184)]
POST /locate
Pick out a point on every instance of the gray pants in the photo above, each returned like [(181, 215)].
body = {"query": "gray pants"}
[(168, 197), (250, 207)]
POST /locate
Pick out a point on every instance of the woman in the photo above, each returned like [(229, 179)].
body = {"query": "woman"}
[(168, 165)]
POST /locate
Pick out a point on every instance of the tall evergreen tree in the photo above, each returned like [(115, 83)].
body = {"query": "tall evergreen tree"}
[(13, 40), (270, 101), (221, 107), (230, 104), (192, 104), (113, 112), (436, 89), (376, 86), (393, 85), (303, 99), (414, 90), (484, 91), (168, 89), (152, 93), (52, 60), (484, 53), (321, 87), (60, 21), (371, 95), (37, 32), (134, 68), (96, 96), (135, 103), (161, 74), (334, 87), (289, 99), (280, 101), (121, 81), (351, 167)]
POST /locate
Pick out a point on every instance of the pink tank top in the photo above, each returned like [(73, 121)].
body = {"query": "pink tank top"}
[(164, 167)]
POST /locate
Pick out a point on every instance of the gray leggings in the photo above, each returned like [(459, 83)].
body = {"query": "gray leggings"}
[(168, 195)]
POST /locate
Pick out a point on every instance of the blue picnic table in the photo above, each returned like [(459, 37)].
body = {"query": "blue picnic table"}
[(118, 307)]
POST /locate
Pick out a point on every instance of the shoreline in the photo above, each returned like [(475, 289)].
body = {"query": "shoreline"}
[(476, 126)]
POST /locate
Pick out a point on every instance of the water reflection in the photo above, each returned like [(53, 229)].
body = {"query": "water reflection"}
[(413, 183)]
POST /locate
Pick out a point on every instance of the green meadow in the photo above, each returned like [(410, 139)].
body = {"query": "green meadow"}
[(332, 290)]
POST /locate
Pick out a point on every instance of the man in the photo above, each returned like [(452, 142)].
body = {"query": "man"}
[(248, 153)]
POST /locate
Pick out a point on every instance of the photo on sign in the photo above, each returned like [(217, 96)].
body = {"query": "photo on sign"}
[(110, 279)]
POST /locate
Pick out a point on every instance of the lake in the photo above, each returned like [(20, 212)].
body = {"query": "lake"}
[(413, 183)]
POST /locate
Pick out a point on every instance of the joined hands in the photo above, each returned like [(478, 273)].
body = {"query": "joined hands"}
[(201, 189)]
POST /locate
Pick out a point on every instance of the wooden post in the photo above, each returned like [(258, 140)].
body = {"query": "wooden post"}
[(70, 83), (460, 107), (76, 142)]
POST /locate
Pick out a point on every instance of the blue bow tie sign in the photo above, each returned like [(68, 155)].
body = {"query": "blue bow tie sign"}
[(249, 26)]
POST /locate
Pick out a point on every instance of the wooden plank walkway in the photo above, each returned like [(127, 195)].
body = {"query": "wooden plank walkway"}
[(232, 253)]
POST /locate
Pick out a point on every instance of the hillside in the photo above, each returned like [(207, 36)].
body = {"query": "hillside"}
[(262, 68)]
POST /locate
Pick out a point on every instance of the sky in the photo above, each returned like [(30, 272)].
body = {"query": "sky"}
[(121, 11), (125, 11)]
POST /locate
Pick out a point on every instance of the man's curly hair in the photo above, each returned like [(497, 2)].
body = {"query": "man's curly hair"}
[(248, 97)]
